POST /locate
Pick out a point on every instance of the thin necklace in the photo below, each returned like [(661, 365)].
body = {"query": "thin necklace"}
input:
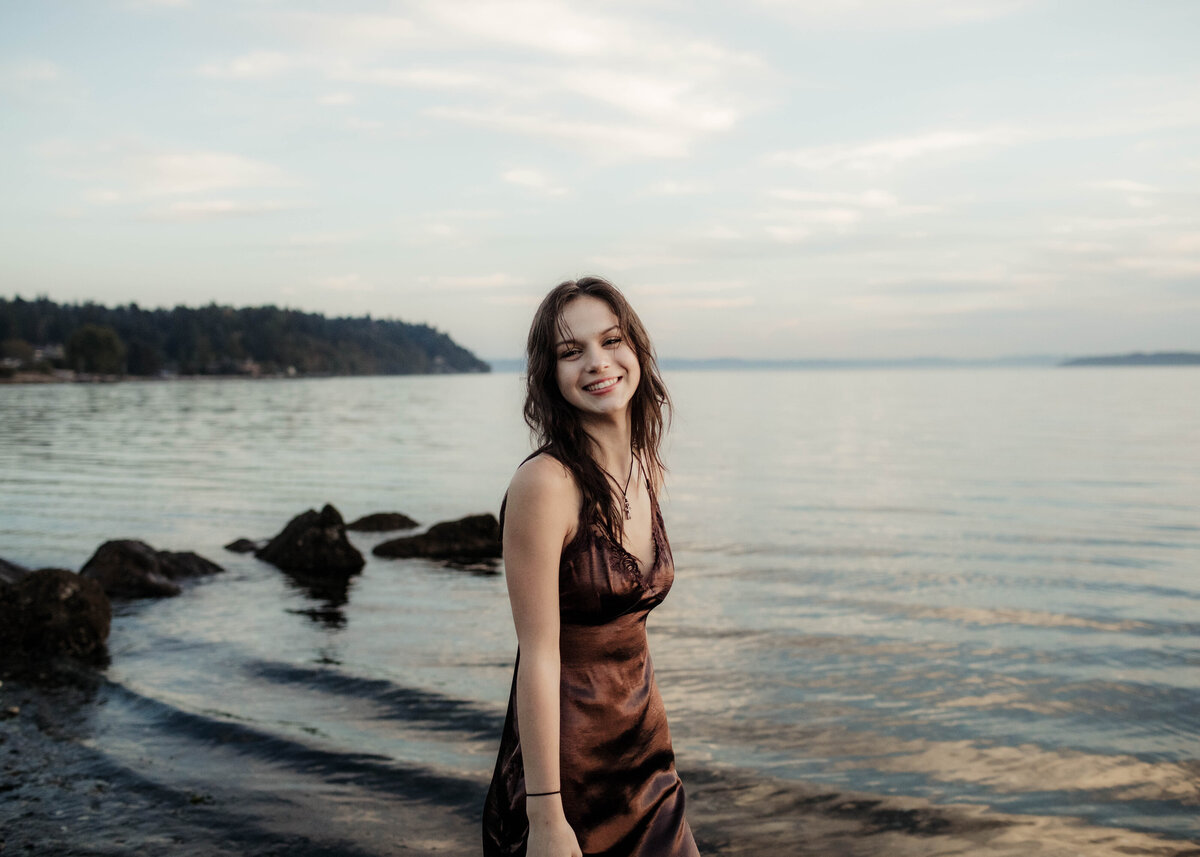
[(625, 490)]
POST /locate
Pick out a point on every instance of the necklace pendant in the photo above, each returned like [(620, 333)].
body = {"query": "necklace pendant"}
[(628, 517)]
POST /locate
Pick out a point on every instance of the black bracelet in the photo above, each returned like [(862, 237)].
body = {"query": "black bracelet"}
[(544, 794)]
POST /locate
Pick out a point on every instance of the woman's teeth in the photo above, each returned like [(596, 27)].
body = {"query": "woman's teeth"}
[(601, 385)]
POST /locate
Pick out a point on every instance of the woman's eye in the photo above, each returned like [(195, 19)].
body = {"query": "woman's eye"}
[(569, 353), (615, 340)]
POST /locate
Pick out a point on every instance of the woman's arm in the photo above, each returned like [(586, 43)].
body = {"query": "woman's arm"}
[(542, 510)]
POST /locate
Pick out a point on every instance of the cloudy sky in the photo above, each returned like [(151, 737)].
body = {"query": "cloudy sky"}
[(766, 179)]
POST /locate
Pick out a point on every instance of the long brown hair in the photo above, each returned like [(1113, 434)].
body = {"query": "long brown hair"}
[(556, 425)]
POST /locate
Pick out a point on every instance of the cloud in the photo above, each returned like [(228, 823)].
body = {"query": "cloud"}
[(208, 209), (1161, 267), (345, 34), (668, 187), (257, 64), (322, 239), (883, 155), (335, 99), (31, 71), (346, 283), (713, 303), (552, 27), (690, 287), (153, 171), (178, 183), (863, 199), (697, 294), (814, 212), (1123, 185), (534, 180), (605, 141), (472, 282), (156, 4), (635, 259), (420, 77), (890, 14), (102, 196), (721, 232), (544, 69), (186, 172), (650, 94)]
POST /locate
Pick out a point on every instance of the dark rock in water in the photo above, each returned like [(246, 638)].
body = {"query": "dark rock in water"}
[(314, 543), (472, 537), (128, 568), (244, 546), (52, 612), (180, 564), (10, 572), (381, 522)]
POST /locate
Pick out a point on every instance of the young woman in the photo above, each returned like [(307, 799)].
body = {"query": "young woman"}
[(585, 763)]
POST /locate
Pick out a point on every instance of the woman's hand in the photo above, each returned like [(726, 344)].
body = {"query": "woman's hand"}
[(549, 833)]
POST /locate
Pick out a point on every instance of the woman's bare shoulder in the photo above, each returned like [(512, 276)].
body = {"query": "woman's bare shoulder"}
[(543, 501), (543, 478)]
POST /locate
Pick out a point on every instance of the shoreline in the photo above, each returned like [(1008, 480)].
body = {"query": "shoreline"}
[(61, 793), (34, 378)]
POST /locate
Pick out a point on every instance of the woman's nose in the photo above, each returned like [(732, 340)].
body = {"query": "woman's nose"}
[(597, 358)]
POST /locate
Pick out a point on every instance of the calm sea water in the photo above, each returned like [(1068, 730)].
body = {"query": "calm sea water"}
[(972, 586)]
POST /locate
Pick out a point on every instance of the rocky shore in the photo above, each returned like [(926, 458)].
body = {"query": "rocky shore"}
[(48, 615), (198, 780)]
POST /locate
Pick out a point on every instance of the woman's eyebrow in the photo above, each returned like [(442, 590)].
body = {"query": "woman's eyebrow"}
[(573, 341)]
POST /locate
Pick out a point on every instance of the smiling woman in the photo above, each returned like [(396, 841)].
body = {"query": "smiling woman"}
[(588, 767)]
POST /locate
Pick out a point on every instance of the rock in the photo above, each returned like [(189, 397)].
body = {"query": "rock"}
[(181, 564), (314, 543), (472, 537), (244, 546), (53, 612), (381, 522), (128, 568), (10, 572)]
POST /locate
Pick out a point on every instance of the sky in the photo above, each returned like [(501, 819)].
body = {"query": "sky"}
[(764, 179)]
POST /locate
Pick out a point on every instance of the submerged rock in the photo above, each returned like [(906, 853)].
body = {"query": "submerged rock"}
[(381, 522), (128, 568), (10, 572), (53, 612), (244, 545), (472, 537), (314, 543)]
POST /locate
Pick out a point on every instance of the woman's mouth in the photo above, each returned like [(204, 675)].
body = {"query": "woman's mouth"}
[(601, 385)]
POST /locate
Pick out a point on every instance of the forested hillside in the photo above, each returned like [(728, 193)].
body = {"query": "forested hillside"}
[(215, 340)]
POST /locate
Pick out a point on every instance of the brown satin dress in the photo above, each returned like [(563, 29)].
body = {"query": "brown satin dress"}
[(620, 791)]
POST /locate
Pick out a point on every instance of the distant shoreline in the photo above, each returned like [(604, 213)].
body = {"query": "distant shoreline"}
[(1138, 358), (516, 365), (1032, 361), (67, 377)]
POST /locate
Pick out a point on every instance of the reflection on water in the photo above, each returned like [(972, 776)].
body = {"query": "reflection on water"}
[(971, 594)]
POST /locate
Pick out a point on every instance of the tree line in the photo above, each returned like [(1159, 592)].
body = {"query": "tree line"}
[(220, 340)]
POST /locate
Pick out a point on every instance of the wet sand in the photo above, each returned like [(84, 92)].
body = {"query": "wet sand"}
[(62, 794)]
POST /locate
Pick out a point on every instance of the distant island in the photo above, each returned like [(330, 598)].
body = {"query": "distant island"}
[(1138, 358), (44, 338)]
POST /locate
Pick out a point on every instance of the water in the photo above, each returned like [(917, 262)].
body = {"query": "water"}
[(972, 587)]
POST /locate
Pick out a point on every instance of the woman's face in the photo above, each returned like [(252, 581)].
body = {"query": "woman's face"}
[(597, 369)]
